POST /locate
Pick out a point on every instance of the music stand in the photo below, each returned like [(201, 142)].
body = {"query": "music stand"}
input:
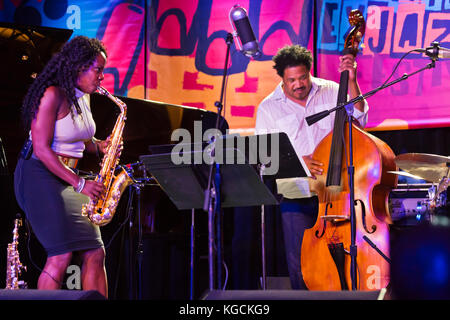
[(185, 184), (289, 165)]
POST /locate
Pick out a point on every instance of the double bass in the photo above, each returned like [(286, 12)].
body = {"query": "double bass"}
[(326, 247)]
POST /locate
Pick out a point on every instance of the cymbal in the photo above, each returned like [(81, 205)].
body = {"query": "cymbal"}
[(429, 167), (406, 174)]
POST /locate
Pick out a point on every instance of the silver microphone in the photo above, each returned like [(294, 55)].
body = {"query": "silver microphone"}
[(243, 32), (436, 52), (443, 53)]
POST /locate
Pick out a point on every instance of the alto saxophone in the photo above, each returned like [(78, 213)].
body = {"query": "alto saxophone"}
[(101, 210), (13, 265)]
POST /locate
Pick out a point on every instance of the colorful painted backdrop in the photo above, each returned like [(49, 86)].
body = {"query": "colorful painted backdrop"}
[(174, 50)]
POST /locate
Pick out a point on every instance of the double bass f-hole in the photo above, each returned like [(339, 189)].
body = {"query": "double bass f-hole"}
[(329, 204), (363, 217)]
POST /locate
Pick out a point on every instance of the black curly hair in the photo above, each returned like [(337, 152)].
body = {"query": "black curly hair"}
[(292, 56), (62, 71)]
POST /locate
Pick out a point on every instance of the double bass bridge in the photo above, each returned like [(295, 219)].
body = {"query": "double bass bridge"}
[(336, 218)]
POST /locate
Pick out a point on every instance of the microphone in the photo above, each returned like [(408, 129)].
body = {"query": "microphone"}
[(316, 117), (435, 52), (243, 32)]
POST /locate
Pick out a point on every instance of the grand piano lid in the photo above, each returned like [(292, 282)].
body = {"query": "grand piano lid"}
[(24, 51)]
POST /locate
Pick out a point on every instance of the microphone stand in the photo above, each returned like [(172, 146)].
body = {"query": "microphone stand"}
[(320, 115), (351, 170), (137, 185), (140, 244), (212, 191)]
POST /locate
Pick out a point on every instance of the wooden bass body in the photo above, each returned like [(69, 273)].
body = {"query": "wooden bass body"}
[(325, 258)]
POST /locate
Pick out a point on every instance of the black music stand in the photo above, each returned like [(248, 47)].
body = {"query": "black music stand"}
[(289, 165), (185, 185)]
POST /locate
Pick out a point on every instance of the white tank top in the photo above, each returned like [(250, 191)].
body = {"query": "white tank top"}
[(71, 134)]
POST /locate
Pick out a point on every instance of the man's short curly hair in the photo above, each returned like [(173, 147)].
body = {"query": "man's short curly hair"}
[(291, 56)]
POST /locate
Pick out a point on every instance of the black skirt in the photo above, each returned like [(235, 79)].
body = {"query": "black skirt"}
[(53, 209)]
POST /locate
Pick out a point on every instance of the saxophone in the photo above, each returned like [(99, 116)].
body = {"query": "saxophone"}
[(13, 265), (101, 210)]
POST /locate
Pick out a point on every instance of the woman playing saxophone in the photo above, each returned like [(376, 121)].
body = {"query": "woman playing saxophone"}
[(56, 111)]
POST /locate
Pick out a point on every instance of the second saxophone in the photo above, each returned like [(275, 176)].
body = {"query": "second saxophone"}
[(14, 266)]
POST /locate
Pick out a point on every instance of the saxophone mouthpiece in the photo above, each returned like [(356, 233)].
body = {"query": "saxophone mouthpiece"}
[(102, 90)]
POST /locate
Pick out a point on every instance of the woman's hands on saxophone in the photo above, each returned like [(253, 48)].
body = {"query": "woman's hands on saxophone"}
[(93, 189), (103, 146)]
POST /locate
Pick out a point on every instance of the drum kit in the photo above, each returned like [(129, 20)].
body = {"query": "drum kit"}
[(434, 169)]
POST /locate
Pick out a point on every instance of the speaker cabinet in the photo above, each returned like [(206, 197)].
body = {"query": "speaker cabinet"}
[(290, 295), (34, 294)]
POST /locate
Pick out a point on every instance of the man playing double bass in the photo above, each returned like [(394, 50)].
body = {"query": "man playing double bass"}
[(297, 96)]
